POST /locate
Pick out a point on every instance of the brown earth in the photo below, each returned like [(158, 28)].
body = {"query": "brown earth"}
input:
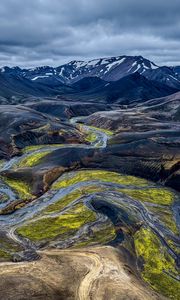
[(100, 273)]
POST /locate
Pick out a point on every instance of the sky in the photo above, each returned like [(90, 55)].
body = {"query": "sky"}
[(53, 32)]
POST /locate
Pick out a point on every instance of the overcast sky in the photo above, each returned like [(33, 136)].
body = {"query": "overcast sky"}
[(52, 32)]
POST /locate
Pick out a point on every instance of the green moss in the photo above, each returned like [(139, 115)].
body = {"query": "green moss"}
[(32, 148), (99, 236), (154, 195), (9, 245), (165, 215), (175, 247), (62, 226), (45, 127), (32, 159), (38, 147), (108, 132), (20, 187), (2, 163), (8, 248), (159, 196), (91, 137), (66, 200), (104, 176), (157, 264), (4, 255), (3, 198), (62, 203)]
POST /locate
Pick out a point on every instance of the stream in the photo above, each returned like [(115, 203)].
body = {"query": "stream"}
[(118, 201)]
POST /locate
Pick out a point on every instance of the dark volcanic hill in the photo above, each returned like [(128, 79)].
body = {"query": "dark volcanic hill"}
[(165, 108), (16, 87), (22, 126), (129, 89)]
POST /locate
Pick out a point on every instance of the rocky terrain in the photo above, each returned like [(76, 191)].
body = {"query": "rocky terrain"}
[(89, 182)]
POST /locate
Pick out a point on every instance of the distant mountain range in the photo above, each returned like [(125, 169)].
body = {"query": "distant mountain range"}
[(117, 79)]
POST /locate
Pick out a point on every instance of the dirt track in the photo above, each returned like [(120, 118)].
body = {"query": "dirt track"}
[(98, 273)]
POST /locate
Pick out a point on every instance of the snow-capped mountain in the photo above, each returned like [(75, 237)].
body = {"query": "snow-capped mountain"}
[(115, 68), (165, 75), (108, 69)]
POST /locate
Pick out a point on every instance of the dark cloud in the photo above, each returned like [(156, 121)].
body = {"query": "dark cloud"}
[(39, 32)]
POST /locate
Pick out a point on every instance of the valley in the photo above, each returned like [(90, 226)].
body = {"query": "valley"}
[(89, 183)]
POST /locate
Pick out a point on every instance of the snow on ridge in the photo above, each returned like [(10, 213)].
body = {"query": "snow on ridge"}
[(174, 78), (137, 68), (93, 62), (134, 64), (121, 60), (32, 69), (61, 72), (40, 76), (111, 62), (105, 61), (109, 66), (80, 64), (153, 66), (115, 63), (144, 66)]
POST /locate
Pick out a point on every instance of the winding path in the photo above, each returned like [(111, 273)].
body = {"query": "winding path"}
[(85, 287)]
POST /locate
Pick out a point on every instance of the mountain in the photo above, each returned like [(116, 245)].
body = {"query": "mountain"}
[(120, 80), (165, 108), (176, 70), (127, 90), (15, 86), (108, 69), (166, 75), (89, 83), (115, 68)]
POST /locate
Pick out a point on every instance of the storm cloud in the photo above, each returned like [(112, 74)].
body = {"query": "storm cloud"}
[(52, 32)]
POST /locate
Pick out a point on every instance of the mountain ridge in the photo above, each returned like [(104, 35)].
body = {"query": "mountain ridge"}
[(96, 78), (108, 69)]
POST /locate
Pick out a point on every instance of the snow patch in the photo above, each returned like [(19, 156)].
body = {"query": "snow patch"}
[(144, 66), (109, 66), (153, 66), (93, 62), (80, 64), (61, 72), (174, 78), (134, 64), (115, 63), (41, 76)]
